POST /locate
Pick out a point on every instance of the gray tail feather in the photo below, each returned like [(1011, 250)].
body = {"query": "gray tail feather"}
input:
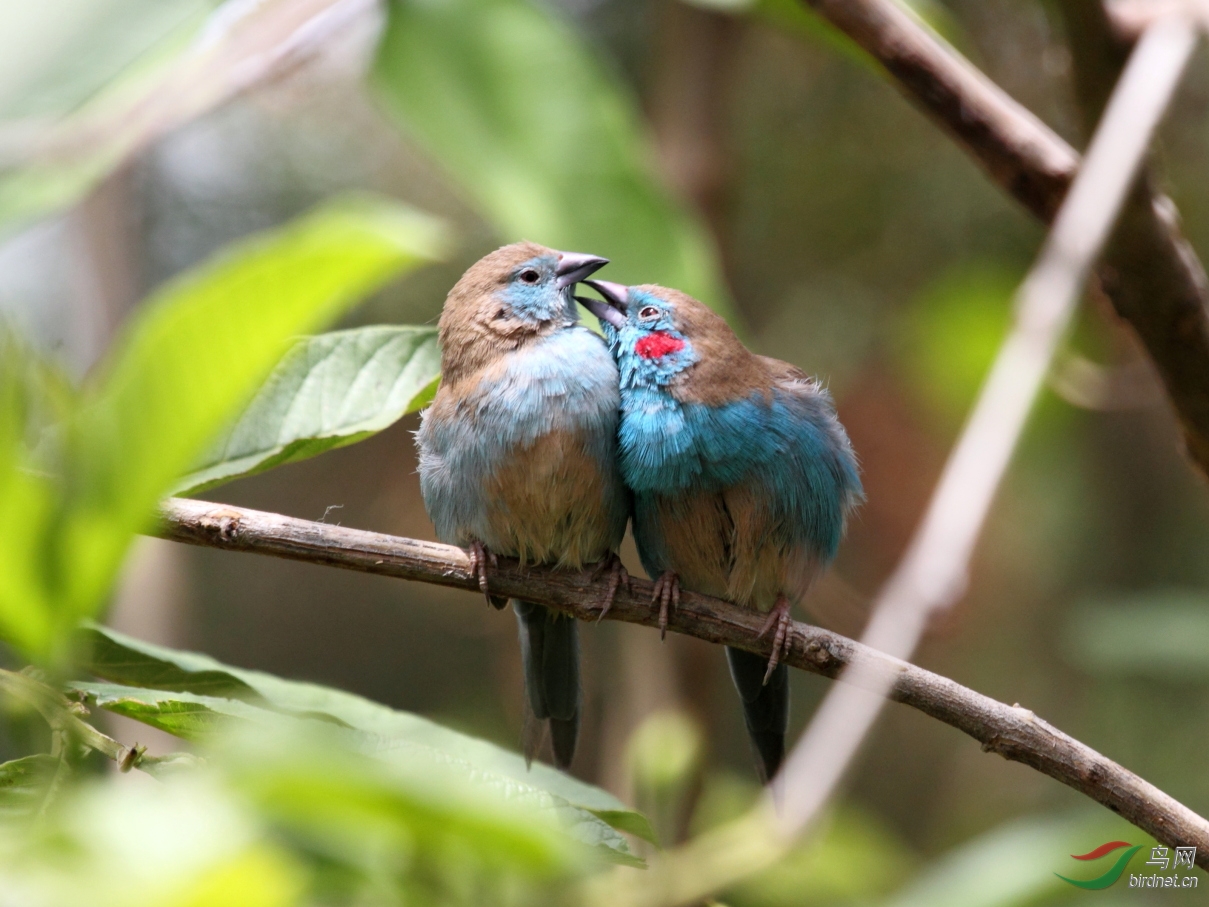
[(765, 707), (550, 652)]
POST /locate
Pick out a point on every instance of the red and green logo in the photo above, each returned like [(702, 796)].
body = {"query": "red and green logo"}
[(1114, 872)]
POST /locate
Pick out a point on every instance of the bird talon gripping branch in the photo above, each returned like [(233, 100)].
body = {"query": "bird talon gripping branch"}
[(779, 618), (618, 577), (481, 561), (667, 592)]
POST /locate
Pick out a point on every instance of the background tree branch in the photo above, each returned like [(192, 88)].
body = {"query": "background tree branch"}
[(1011, 731), (1149, 271)]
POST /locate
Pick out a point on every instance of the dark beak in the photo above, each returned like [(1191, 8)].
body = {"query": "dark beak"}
[(575, 266), (613, 308)]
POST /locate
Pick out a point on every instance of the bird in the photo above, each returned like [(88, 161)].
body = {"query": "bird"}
[(518, 454), (743, 477)]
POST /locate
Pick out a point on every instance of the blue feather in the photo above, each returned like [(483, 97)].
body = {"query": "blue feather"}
[(564, 381), (744, 496)]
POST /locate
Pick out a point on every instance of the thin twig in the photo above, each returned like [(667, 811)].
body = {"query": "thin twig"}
[(1151, 274), (933, 573), (1013, 732)]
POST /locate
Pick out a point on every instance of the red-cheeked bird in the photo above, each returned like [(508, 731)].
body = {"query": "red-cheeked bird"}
[(743, 477)]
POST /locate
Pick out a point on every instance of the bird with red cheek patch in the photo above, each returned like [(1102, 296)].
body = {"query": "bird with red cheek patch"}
[(658, 345), (743, 477)]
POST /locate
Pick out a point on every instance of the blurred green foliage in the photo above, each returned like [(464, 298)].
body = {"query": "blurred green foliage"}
[(950, 335), (190, 694), (58, 54), (539, 137), (76, 77), (664, 762), (202, 345), (283, 813), (1162, 634)]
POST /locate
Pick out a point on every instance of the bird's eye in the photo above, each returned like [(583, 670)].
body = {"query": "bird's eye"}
[(649, 312), (530, 276), (501, 314)]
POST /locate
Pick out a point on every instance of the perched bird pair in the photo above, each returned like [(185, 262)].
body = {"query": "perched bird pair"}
[(542, 442)]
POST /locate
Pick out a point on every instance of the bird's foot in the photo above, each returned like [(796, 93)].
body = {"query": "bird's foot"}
[(778, 619), (480, 561), (618, 577), (667, 593)]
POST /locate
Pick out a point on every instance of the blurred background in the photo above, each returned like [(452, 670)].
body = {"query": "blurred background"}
[(835, 226)]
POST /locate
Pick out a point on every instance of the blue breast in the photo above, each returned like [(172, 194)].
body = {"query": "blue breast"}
[(565, 381), (790, 446)]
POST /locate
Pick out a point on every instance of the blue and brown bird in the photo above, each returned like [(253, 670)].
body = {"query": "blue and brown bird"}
[(518, 452), (743, 477)]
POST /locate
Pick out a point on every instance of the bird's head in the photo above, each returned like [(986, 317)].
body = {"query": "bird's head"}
[(512, 295), (657, 333)]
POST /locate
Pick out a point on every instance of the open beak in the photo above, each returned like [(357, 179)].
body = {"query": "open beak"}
[(575, 266), (613, 308)]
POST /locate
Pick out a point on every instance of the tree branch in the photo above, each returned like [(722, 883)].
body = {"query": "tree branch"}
[(1011, 731), (1151, 274)]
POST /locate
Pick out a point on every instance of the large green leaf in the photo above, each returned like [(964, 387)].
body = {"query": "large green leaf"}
[(396, 734), (206, 719), (192, 358), (288, 812), (26, 505), (541, 139), (328, 391)]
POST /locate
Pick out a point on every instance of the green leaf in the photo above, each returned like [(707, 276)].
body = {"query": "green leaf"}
[(24, 784), (183, 715), (540, 138), (201, 347), (192, 358), (26, 503), (346, 802), (328, 391), (391, 734), (205, 719)]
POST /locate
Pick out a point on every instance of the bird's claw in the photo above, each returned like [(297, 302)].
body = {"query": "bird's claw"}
[(618, 577), (779, 619), (667, 592), (480, 561)]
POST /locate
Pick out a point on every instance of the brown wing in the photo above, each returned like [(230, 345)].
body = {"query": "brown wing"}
[(784, 374)]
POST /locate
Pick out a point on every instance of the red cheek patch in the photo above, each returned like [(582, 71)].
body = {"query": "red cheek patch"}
[(657, 345)]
